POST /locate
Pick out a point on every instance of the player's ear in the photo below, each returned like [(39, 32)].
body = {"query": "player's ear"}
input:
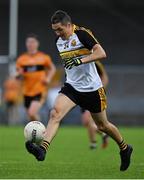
[(38, 43), (68, 24)]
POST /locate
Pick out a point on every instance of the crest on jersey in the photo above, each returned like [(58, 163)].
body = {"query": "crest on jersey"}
[(73, 43), (66, 45)]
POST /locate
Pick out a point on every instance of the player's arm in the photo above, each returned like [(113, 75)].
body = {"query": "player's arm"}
[(98, 53), (102, 73), (91, 43), (51, 69), (19, 69), (50, 73), (105, 79)]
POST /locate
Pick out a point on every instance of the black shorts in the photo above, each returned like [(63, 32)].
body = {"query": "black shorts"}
[(10, 103), (29, 99), (92, 101), (83, 110)]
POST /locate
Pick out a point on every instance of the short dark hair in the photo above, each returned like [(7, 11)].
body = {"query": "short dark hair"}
[(32, 35), (60, 17)]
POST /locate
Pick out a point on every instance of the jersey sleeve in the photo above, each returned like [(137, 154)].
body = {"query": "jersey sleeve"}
[(48, 61), (18, 63), (87, 38)]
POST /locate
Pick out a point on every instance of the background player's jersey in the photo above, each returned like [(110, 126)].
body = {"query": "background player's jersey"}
[(12, 90), (83, 78), (34, 72)]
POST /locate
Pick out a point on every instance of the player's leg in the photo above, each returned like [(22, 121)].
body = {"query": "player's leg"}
[(91, 127), (62, 106), (33, 105), (96, 103), (104, 125), (93, 130), (33, 110), (105, 140)]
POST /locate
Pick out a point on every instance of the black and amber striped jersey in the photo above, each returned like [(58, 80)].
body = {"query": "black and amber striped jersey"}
[(83, 78), (34, 69)]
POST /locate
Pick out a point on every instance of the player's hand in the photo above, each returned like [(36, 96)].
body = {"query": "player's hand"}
[(19, 74), (70, 63), (46, 81)]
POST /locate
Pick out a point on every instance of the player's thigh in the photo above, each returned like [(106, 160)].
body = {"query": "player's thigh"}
[(34, 107), (100, 118), (86, 117), (62, 105)]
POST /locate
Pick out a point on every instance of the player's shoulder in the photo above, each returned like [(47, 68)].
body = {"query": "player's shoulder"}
[(44, 56), (82, 30), (84, 33), (22, 56)]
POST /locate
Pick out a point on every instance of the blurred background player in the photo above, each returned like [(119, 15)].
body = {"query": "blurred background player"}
[(35, 70), (55, 87), (86, 116), (12, 97)]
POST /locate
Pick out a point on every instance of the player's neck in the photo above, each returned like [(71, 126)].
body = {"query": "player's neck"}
[(67, 36), (32, 52)]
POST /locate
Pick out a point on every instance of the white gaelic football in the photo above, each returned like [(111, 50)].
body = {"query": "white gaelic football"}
[(34, 131)]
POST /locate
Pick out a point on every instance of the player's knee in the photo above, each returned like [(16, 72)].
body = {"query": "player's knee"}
[(55, 114), (86, 119), (102, 126)]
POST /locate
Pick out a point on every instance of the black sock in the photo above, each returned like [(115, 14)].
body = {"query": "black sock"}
[(122, 145), (45, 144)]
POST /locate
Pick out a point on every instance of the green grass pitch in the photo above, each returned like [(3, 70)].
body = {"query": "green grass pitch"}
[(69, 156)]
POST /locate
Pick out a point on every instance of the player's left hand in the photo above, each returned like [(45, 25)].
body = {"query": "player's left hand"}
[(46, 81), (70, 63)]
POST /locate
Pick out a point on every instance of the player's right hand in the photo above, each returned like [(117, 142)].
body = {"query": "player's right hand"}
[(70, 63)]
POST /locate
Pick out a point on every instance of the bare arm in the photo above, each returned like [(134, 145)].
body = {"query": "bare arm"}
[(50, 72), (97, 54), (104, 78), (19, 70)]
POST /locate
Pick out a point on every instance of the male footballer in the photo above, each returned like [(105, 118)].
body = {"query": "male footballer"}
[(79, 50)]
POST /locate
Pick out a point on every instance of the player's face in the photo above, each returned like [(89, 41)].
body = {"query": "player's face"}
[(62, 30), (32, 44)]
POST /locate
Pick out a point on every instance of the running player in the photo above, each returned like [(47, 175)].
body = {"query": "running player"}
[(86, 116), (79, 49), (36, 70)]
